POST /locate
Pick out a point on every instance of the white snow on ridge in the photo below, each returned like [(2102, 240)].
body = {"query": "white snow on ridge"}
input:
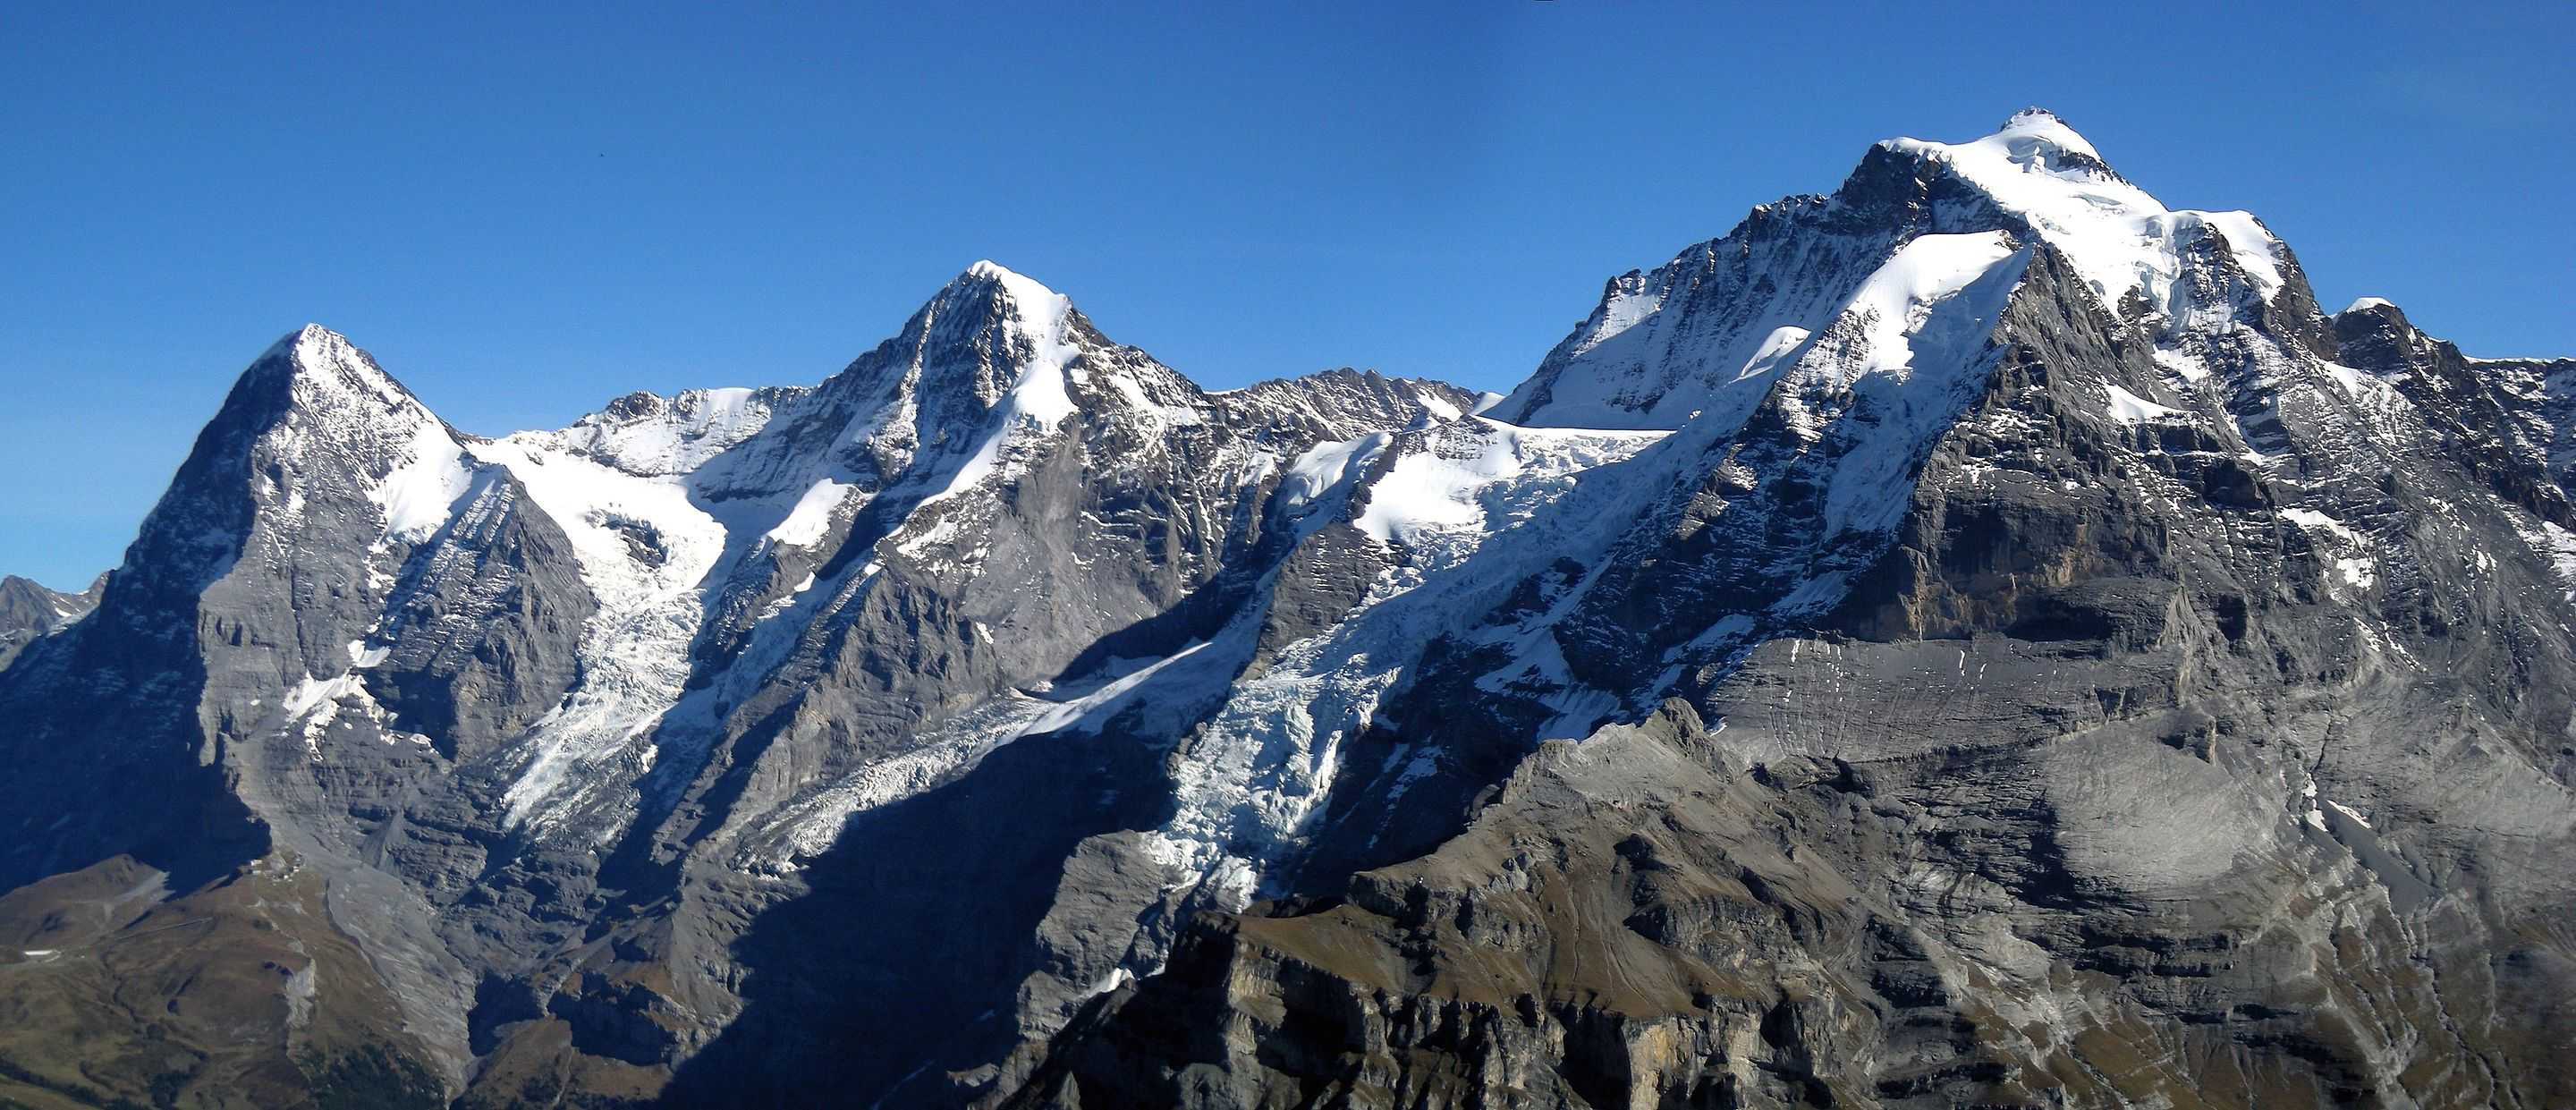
[(2255, 249), (1427, 491), (1324, 465), (1159, 413), (2363, 304), (1783, 343), (1623, 310), (2119, 238), (1038, 314)]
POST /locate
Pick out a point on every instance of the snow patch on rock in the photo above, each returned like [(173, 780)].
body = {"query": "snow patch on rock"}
[(812, 516), (2129, 408)]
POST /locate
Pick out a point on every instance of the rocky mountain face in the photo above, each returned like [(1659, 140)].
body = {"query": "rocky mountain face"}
[(28, 610), (1979, 637)]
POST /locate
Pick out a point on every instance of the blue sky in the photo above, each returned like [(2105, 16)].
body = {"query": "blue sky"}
[(526, 213)]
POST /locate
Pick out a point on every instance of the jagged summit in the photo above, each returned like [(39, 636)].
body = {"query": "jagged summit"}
[(989, 338), (2124, 240), (1725, 318), (308, 341), (1021, 285), (320, 369), (328, 417), (316, 351), (1035, 308)]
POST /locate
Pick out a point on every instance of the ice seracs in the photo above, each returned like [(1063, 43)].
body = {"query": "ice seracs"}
[(645, 549), (642, 433)]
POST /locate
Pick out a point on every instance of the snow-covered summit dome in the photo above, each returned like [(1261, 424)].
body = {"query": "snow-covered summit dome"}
[(2120, 238), (2037, 135)]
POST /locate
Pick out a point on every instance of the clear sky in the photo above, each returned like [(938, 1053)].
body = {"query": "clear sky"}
[(524, 210)]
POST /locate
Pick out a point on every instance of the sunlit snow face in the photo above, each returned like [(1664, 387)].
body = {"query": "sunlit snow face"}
[(2123, 240)]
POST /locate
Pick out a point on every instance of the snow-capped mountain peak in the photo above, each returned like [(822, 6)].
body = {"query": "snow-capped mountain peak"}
[(991, 339), (2123, 240), (2041, 138), (1706, 333), (324, 367), (1024, 290), (312, 344), (1043, 323), (331, 399)]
